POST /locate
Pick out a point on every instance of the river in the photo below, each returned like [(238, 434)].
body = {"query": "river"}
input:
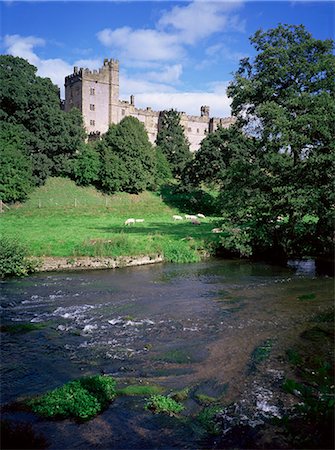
[(177, 326)]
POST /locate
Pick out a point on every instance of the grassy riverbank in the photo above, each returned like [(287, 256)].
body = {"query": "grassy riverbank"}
[(62, 219)]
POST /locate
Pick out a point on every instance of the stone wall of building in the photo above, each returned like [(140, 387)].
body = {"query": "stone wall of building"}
[(96, 94)]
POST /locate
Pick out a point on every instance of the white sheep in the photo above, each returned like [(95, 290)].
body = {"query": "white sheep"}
[(139, 220), (190, 216), (201, 215), (129, 221), (175, 217), (216, 230)]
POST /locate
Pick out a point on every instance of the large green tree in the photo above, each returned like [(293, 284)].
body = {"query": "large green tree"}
[(127, 158), (172, 141), (52, 136), (16, 178), (215, 156), (285, 97)]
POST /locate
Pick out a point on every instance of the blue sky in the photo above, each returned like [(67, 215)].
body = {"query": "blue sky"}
[(172, 54)]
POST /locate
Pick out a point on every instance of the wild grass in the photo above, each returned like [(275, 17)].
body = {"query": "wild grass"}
[(62, 219)]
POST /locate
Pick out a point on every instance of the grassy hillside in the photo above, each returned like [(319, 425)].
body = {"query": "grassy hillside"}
[(62, 219)]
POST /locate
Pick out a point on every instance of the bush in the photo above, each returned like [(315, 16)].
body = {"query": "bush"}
[(80, 399), (236, 240), (163, 404), (14, 260)]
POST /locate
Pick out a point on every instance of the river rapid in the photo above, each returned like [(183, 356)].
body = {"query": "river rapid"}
[(176, 326)]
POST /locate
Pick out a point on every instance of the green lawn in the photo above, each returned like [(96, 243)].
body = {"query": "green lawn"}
[(62, 219)]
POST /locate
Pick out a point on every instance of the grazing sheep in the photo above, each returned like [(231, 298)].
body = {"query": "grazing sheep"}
[(139, 220), (190, 216), (129, 221), (216, 230), (175, 217), (201, 215)]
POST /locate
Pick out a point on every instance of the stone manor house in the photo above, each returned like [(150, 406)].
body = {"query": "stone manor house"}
[(96, 94)]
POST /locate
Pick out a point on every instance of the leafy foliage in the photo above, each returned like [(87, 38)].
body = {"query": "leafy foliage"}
[(172, 142), (215, 156), (127, 158), (80, 399), (277, 161), (163, 172), (285, 97), (52, 136), (13, 258), (163, 404), (16, 174), (86, 166)]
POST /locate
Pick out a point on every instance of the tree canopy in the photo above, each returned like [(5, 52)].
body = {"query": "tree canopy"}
[(16, 176), (127, 158), (275, 166), (52, 137), (172, 142)]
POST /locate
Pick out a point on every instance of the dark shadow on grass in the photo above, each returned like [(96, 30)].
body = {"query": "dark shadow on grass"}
[(177, 230), (191, 201)]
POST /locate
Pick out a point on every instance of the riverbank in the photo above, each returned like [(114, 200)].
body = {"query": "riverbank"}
[(51, 264)]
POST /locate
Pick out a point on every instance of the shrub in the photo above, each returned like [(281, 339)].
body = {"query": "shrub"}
[(13, 258), (236, 240), (163, 404), (80, 399)]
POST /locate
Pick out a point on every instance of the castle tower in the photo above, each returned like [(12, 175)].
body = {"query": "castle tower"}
[(204, 111), (96, 94)]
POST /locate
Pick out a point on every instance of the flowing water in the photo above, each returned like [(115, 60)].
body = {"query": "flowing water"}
[(177, 326)]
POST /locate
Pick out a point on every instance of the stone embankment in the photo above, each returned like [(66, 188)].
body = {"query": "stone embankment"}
[(50, 264)]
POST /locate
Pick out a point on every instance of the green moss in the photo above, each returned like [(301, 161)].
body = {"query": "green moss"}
[(134, 390), (307, 297), (206, 399), (21, 327), (206, 418), (80, 399), (180, 396), (163, 404), (260, 354), (293, 357), (324, 317), (175, 356)]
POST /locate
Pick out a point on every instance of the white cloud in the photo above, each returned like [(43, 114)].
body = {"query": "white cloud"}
[(17, 45), (141, 44), (54, 68), (189, 102), (222, 51), (138, 85), (168, 74), (199, 19), (175, 30)]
